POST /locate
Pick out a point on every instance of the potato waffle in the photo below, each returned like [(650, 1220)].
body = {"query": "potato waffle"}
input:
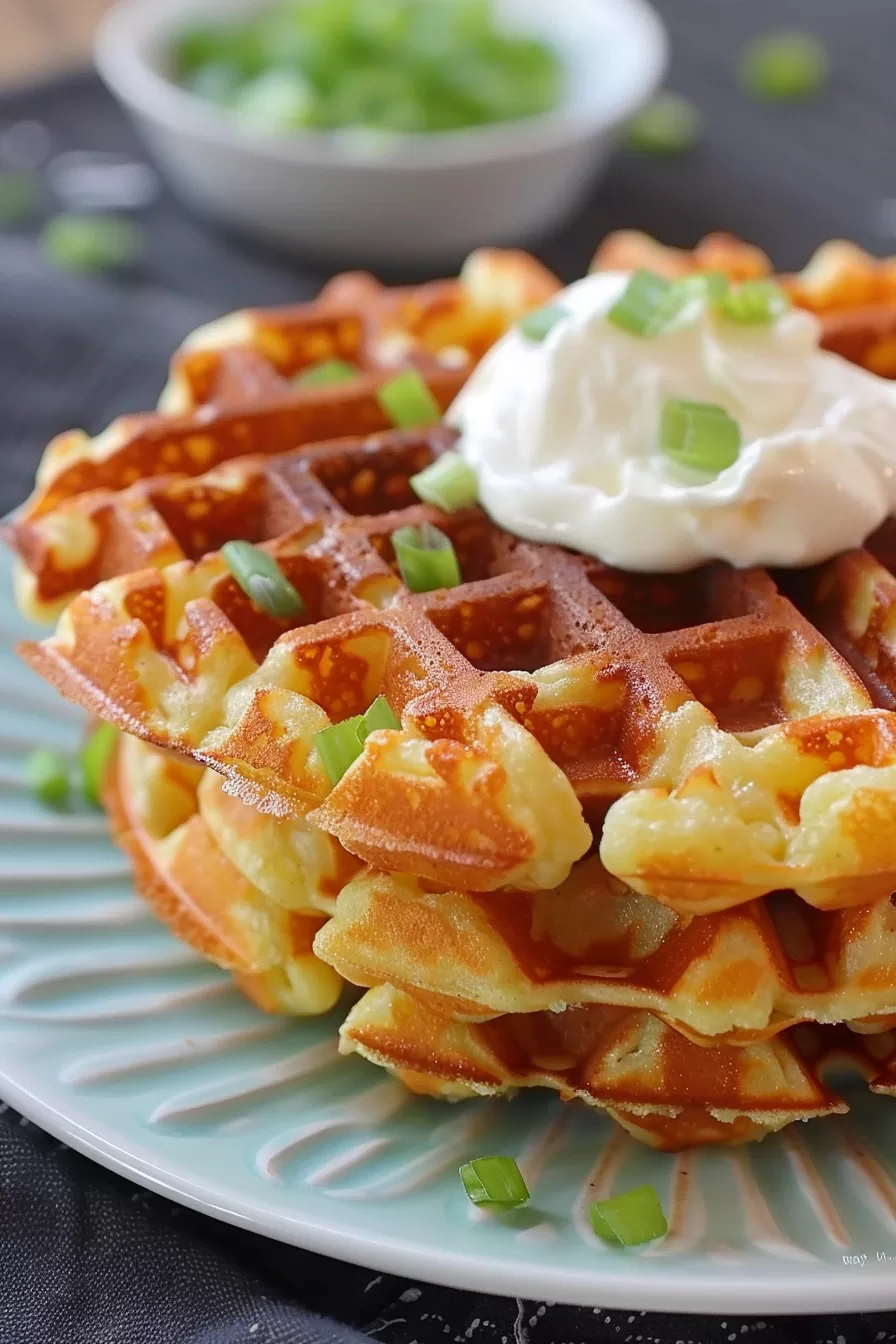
[(664, 1090), (190, 845), (735, 977), (736, 751), (233, 392), (852, 292)]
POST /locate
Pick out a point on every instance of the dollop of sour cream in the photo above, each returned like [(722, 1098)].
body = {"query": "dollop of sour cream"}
[(564, 436)]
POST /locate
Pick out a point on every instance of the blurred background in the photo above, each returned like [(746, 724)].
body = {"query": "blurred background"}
[(86, 327)]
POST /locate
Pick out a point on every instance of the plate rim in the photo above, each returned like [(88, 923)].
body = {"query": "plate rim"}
[(684, 1291)]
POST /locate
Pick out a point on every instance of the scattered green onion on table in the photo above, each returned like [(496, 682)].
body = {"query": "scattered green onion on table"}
[(784, 67), (91, 242), (669, 124), (387, 65)]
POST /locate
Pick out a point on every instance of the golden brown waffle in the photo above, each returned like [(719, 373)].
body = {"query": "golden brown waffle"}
[(232, 392), (738, 976), (853, 293), (183, 835), (666, 1091), (742, 752)]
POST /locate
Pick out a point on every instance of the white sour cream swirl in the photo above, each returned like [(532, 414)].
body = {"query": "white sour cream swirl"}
[(564, 436)]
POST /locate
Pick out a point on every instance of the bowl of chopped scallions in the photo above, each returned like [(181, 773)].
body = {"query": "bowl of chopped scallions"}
[(382, 131)]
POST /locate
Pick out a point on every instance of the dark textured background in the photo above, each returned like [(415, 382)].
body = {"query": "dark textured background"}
[(84, 1256)]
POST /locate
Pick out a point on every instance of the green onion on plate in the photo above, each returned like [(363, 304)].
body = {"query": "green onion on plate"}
[(262, 580), (47, 774), (449, 483), (94, 761), (699, 435), (629, 1219), (426, 558), (495, 1182)]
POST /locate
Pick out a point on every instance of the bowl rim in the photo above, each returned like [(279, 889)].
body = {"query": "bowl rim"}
[(123, 67)]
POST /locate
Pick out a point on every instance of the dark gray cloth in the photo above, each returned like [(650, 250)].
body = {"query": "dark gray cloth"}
[(85, 1256)]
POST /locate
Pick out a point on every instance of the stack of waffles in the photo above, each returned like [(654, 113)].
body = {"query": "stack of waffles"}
[(631, 839)]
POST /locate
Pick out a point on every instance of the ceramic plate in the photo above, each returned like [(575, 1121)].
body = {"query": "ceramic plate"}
[(120, 1041)]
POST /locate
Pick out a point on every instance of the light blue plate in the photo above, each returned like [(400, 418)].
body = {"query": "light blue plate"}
[(117, 1039)]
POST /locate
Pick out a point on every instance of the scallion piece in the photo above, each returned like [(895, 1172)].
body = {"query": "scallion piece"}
[(754, 302), (47, 776), (709, 285), (699, 435), (784, 67), (19, 194), (494, 1181), (426, 558), (339, 746), (379, 715), (327, 372), (540, 321), (449, 483), (669, 124), (629, 1219), (91, 242), (94, 761), (408, 402), (642, 308), (262, 580)]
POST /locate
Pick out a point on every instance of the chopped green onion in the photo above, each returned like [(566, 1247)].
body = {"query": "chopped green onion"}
[(494, 1181), (91, 242), (669, 124), (540, 321), (699, 435), (449, 483), (709, 285), (643, 306), (379, 715), (47, 776), (408, 402), (94, 760), (19, 191), (784, 67), (327, 372), (340, 745), (426, 558), (629, 1219), (754, 302), (278, 100), (262, 580)]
